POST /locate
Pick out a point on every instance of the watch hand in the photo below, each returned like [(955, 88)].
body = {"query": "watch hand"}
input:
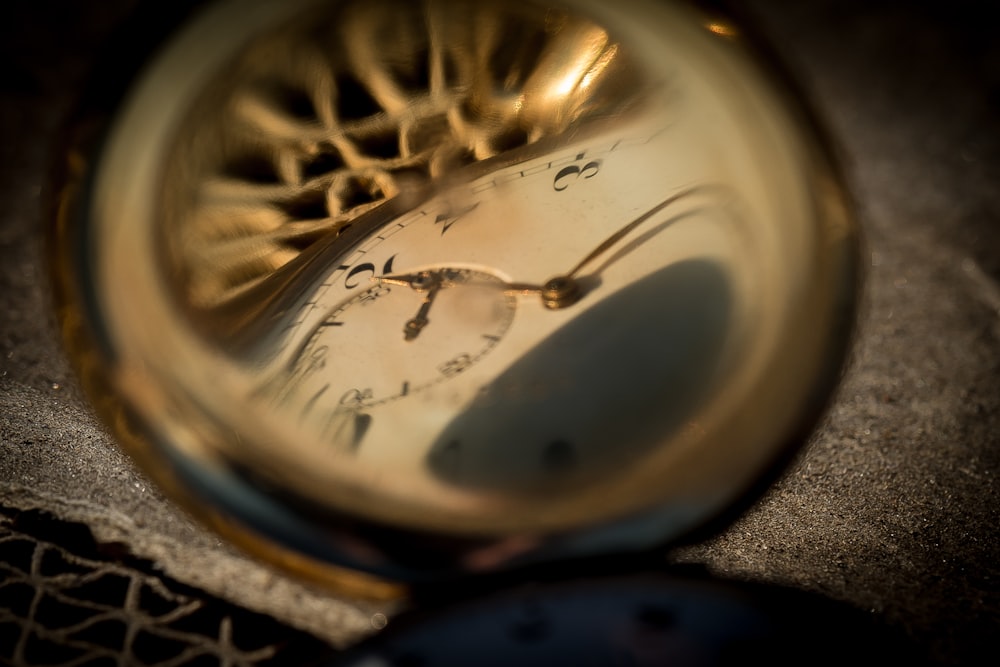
[(565, 290), (427, 282), (422, 281), (414, 326), (557, 292), (609, 242)]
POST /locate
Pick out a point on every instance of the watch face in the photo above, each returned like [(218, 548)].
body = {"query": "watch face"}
[(536, 280)]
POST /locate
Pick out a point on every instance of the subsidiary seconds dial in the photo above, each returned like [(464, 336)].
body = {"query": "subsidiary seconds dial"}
[(424, 330)]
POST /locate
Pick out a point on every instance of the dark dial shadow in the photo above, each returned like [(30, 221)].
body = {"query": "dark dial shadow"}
[(599, 392)]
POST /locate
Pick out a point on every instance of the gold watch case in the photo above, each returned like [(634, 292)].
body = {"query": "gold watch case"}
[(266, 144)]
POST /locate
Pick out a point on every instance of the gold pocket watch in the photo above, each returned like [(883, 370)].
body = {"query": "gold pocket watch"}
[(393, 293)]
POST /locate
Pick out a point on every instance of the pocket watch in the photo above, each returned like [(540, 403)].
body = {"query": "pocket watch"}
[(394, 293)]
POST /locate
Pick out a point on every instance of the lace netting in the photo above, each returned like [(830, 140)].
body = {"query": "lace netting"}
[(65, 600)]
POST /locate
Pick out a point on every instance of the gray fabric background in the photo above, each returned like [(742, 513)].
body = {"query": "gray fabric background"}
[(892, 506)]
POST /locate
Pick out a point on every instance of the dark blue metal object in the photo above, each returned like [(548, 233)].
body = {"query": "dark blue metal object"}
[(634, 620)]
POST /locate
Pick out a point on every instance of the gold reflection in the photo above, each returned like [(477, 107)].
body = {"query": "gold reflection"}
[(722, 28), (359, 104)]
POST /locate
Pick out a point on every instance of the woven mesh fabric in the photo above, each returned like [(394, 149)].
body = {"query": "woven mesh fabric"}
[(65, 600)]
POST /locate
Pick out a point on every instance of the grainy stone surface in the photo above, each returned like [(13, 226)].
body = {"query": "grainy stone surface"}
[(893, 505)]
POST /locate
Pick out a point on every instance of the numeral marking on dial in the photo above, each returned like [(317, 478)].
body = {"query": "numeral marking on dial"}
[(573, 173), (451, 216), (354, 273), (312, 401), (456, 365), (347, 428)]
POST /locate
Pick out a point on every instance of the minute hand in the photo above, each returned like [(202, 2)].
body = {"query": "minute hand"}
[(558, 292), (564, 290)]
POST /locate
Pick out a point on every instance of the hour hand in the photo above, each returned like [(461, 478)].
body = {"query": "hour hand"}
[(422, 281), (414, 326), (428, 283)]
